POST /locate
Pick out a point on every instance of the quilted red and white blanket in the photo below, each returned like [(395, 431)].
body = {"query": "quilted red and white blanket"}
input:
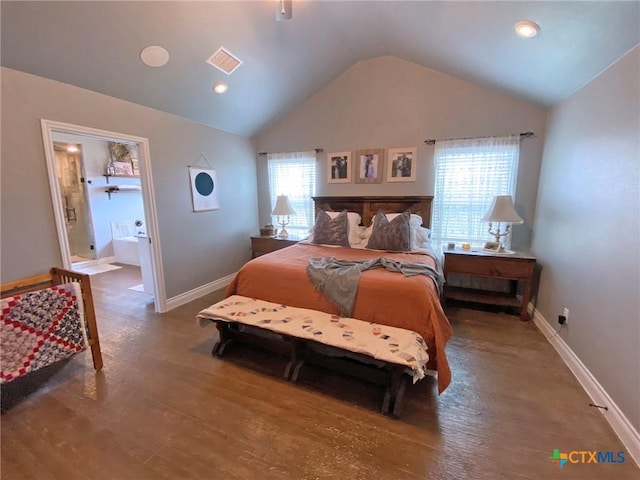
[(40, 328)]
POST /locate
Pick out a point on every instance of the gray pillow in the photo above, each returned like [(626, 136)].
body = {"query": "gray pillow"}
[(331, 231), (394, 235)]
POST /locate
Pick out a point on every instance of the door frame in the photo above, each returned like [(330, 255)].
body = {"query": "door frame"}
[(146, 184)]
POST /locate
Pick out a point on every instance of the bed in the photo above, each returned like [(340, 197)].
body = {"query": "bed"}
[(383, 297)]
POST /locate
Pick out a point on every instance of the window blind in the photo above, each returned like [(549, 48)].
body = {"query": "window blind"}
[(294, 174), (468, 174)]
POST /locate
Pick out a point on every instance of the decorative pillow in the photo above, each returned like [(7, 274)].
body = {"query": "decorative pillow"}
[(394, 235), (354, 220), (330, 231), (419, 236)]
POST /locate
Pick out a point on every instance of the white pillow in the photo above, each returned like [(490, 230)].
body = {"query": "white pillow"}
[(415, 219), (354, 220)]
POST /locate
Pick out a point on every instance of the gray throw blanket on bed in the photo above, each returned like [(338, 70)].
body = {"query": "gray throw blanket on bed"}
[(338, 279)]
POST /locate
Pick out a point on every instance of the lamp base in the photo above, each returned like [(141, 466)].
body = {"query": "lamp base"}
[(283, 234), (498, 252)]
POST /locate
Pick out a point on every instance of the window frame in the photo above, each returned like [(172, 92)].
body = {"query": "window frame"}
[(299, 188), (471, 166)]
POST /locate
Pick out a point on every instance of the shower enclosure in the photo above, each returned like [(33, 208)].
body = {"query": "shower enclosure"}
[(71, 179)]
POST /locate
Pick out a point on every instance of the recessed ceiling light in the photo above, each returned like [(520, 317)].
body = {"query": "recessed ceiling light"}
[(154, 56), (527, 28), (220, 87)]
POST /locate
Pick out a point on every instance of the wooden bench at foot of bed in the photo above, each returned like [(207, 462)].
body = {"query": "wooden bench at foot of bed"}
[(381, 354)]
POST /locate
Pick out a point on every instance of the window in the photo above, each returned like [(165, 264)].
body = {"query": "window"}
[(468, 174), (294, 175)]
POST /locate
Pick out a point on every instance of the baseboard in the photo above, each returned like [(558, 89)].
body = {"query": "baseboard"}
[(626, 432), (191, 295)]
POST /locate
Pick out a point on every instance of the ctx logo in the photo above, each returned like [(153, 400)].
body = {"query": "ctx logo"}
[(585, 456)]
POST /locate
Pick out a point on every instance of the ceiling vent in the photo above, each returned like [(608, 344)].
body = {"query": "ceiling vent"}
[(224, 60)]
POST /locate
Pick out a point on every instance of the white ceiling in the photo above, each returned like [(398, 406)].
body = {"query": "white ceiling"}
[(96, 45)]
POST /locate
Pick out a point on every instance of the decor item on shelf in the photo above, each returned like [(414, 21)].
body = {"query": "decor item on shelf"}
[(283, 208), (120, 152), (123, 169), (401, 164), (111, 169), (123, 160), (492, 246), (267, 231), (501, 211)]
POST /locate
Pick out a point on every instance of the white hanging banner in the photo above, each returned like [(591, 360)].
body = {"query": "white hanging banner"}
[(204, 188)]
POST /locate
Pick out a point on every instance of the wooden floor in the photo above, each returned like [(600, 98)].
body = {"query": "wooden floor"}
[(163, 408)]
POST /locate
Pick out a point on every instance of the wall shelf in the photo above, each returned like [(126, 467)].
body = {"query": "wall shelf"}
[(120, 176), (111, 190)]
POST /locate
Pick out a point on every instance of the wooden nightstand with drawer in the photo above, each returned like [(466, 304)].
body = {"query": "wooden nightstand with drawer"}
[(261, 245), (516, 267)]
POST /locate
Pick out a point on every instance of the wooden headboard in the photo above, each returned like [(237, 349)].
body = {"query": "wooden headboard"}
[(368, 206)]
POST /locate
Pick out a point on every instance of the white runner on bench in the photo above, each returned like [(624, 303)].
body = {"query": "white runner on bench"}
[(389, 344)]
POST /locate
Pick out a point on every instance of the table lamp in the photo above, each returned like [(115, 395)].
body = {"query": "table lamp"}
[(282, 209), (501, 211)]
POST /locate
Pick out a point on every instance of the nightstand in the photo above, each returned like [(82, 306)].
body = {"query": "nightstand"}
[(516, 267), (261, 245)]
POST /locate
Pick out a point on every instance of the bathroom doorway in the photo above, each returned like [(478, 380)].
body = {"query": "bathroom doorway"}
[(77, 214), (69, 175)]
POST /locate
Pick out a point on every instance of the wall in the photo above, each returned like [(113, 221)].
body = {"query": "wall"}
[(197, 248), (388, 102), (586, 228)]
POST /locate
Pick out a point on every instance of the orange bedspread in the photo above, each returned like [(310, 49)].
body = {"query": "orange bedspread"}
[(387, 298)]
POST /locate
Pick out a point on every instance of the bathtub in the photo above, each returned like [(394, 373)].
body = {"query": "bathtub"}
[(125, 249)]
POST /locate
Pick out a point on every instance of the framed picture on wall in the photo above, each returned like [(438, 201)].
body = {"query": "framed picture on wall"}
[(339, 167), (401, 165), (369, 165), (204, 188)]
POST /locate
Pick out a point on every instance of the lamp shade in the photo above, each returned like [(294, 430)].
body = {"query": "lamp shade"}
[(502, 210), (283, 207)]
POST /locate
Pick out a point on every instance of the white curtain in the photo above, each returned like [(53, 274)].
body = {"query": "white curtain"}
[(294, 174), (468, 174)]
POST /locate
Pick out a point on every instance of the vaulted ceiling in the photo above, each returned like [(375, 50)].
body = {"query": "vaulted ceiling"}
[(97, 45)]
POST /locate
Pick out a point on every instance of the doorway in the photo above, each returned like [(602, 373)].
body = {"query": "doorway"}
[(82, 191)]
